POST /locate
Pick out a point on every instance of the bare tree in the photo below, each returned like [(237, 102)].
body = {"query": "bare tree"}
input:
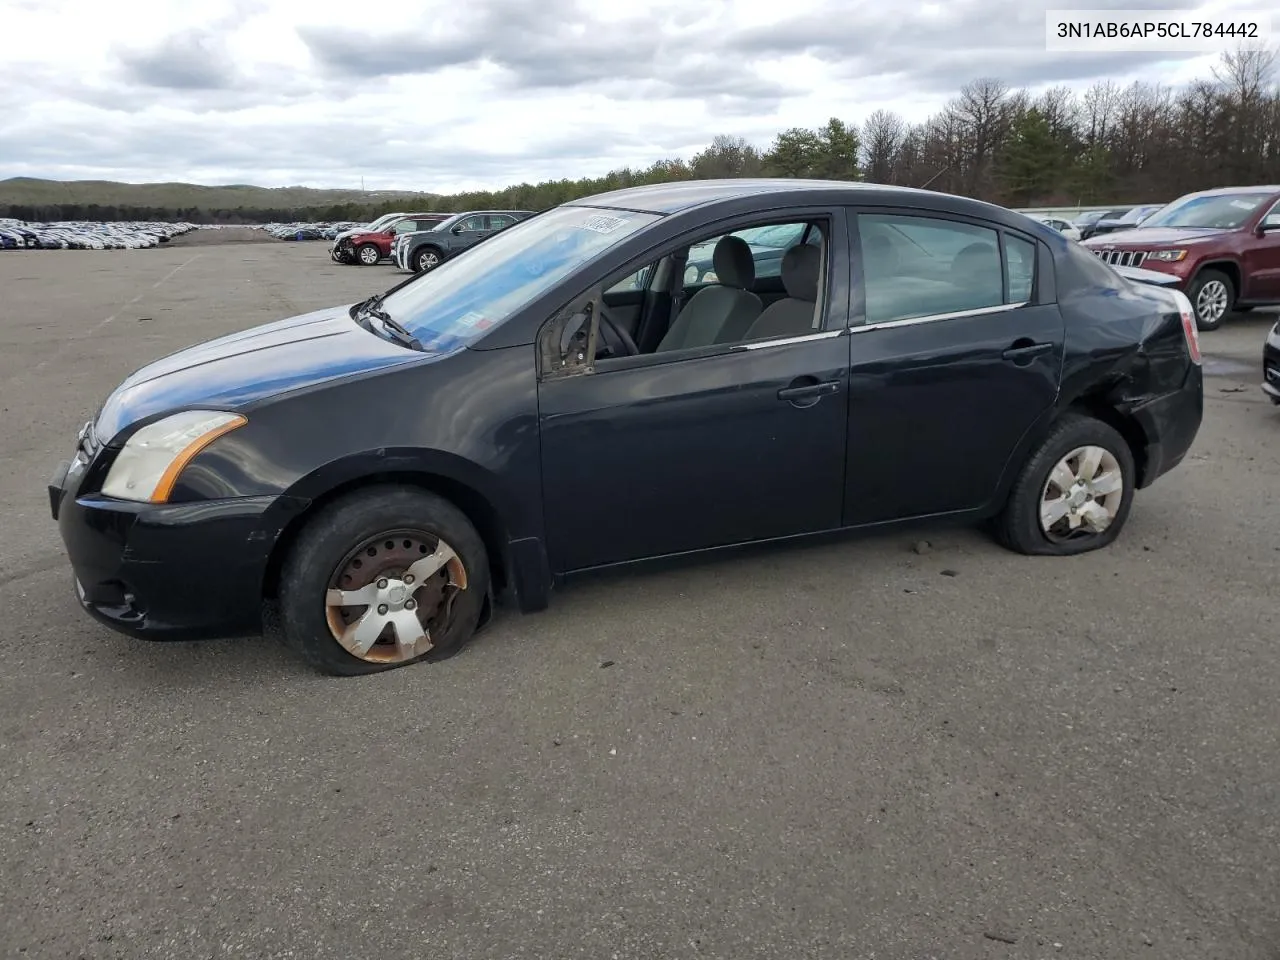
[(882, 136)]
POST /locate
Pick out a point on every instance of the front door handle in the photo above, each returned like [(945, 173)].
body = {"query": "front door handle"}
[(1024, 350), (807, 394)]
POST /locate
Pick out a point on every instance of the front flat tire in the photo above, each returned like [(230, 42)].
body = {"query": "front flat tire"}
[(381, 578), (1074, 492)]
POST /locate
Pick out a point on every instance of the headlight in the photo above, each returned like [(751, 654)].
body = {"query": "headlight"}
[(149, 463), (1167, 256)]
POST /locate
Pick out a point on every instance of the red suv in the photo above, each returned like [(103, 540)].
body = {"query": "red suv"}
[(367, 247), (1222, 245)]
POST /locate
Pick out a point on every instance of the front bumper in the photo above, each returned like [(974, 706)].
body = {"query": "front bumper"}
[(1271, 365), (165, 571)]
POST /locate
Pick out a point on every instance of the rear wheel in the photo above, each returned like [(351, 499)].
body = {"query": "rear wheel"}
[(1074, 492), (1212, 296), (384, 577), (368, 254)]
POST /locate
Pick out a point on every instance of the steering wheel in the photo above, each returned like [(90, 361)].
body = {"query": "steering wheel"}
[(616, 338)]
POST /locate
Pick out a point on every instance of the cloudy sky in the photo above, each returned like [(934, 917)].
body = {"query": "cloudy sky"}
[(445, 95)]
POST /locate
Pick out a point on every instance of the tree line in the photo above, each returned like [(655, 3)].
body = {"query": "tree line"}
[(1141, 143)]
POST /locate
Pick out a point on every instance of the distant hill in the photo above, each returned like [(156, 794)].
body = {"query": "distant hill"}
[(35, 200), (29, 191)]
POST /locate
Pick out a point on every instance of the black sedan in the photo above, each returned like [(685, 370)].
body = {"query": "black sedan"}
[(1271, 364), (557, 400)]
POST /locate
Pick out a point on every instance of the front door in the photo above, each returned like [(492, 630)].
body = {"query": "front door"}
[(1261, 256), (956, 360), (469, 232), (662, 453)]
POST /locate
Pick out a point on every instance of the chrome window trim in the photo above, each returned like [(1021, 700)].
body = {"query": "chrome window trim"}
[(784, 341), (933, 317)]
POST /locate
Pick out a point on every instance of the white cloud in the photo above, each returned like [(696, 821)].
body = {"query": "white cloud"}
[(490, 92)]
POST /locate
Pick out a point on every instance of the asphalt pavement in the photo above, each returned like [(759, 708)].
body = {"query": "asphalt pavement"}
[(911, 745)]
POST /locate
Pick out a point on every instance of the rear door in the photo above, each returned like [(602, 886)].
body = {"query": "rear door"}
[(953, 356)]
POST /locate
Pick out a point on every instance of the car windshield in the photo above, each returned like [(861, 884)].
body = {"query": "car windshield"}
[(1087, 218), (1224, 211), (468, 295)]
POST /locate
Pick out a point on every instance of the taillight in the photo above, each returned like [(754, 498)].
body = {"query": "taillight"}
[(1189, 328)]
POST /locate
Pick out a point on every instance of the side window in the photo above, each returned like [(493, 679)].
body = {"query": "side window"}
[(768, 246), (1020, 267), (587, 337), (922, 266), (499, 220), (472, 223), (637, 281), (405, 226)]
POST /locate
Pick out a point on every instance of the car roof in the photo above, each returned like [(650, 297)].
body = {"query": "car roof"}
[(668, 198), (1228, 191)]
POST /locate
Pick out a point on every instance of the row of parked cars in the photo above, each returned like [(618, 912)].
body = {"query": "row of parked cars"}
[(1221, 247), (417, 242), (20, 235), (308, 230)]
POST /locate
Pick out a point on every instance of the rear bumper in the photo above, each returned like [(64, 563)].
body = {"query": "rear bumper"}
[(165, 571), (1170, 422)]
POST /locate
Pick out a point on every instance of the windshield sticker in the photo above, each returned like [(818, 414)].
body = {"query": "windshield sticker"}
[(603, 224), (1242, 204), (474, 321)]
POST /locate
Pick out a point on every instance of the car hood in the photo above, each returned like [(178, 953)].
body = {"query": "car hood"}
[(242, 368), (1156, 236)]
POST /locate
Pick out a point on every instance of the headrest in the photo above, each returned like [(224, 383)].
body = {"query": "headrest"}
[(800, 272), (734, 265), (975, 259)]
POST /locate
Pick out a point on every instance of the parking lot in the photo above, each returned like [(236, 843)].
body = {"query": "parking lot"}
[(909, 745)]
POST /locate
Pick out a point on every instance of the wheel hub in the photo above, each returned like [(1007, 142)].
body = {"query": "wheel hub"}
[(1082, 494), (392, 594)]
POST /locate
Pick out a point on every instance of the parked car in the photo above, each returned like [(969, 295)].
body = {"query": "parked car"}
[(1223, 246), (1132, 218), (369, 247), (1088, 223), (426, 249), (1064, 227), (1271, 364), (383, 471)]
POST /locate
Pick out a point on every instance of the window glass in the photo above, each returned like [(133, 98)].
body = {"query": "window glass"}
[(497, 221), (472, 223), (467, 296), (768, 245), (634, 282), (714, 313), (1224, 211), (920, 266), (1020, 264)]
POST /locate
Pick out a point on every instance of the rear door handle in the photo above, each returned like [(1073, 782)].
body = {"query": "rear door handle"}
[(1023, 351), (809, 391)]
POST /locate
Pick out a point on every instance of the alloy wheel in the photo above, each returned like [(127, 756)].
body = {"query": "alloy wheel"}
[(1211, 302), (1082, 495), (393, 595), (368, 255), (428, 260)]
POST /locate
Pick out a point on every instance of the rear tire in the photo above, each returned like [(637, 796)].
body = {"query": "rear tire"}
[(377, 534), (1212, 296), (1038, 494)]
